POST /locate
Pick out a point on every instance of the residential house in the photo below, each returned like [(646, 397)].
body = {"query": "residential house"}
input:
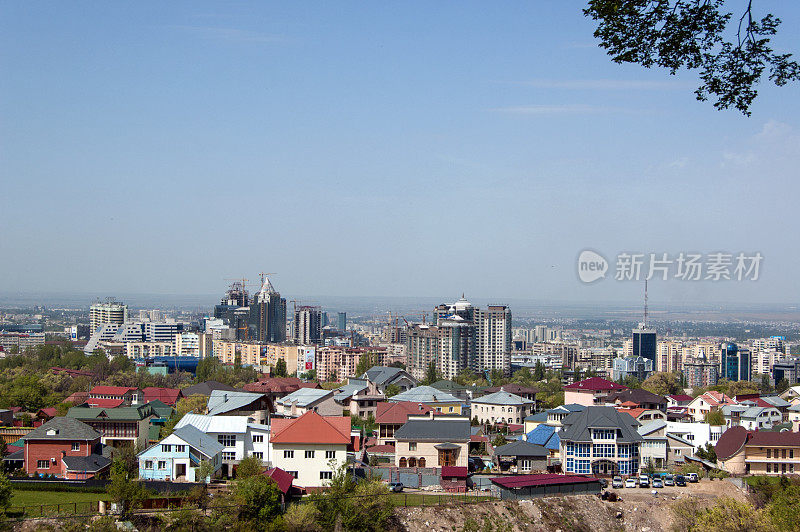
[(522, 457), (534, 420), (66, 448), (118, 427), (642, 415), (168, 396), (676, 400), (706, 402), (126, 395), (464, 393), (526, 392), (436, 399), (432, 442), (640, 398), (239, 436), (383, 376), (359, 397), (698, 434), (661, 448), (590, 392), (743, 452), (547, 437), (310, 447), (305, 400), (257, 406), (277, 387), (751, 417), (551, 417), (599, 440), (501, 407), (178, 456), (391, 416)]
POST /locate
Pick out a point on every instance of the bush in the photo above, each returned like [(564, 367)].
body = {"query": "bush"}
[(249, 467)]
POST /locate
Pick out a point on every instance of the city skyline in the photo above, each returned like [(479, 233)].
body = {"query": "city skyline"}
[(374, 151)]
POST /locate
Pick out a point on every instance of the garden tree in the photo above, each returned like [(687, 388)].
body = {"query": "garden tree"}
[(475, 422), (499, 441), (729, 515), (662, 383), (194, 403), (310, 375), (730, 52), (764, 384), (538, 371), (280, 368), (649, 468), (431, 375), (631, 382), (391, 390), (784, 505), (714, 417), (124, 489), (366, 361), (353, 506), (259, 499), (205, 470), (249, 467), (707, 453), (782, 386), (5, 492)]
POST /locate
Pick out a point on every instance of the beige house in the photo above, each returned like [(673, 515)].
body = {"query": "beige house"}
[(501, 407), (741, 452), (305, 400), (432, 442)]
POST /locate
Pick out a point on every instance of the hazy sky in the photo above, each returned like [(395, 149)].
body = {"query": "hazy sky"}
[(414, 148)]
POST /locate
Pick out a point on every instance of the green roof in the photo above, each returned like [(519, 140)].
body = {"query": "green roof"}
[(120, 413)]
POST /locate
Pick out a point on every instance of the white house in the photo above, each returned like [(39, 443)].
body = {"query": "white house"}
[(705, 403), (239, 436), (310, 447), (751, 417), (305, 400), (178, 456), (501, 407), (698, 434)]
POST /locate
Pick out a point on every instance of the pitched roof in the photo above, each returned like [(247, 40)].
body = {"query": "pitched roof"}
[(381, 375), (434, 430), (282, 478), (578, 425), (397, 413), (199, 440), (512, 388), (111, 390), (205, 388), (546, 436), (767, 438), (214, 424), (503, 398), (651, 426), (637, 395), (120, 413), (777, 402), (541, 417), (63, 428), (594, 384), (49, 412), (104, 403), (425, 394), (87, 464), (305, 396), (527, 481), (352, 387), (680, 398), (455, 471), (730, 442), (279, 385), (311, 428), (222, 401), (77, 398), (715, 398), (449, 386), (521, 448), (168, 396)]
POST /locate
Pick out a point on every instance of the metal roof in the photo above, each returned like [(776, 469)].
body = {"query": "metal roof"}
[(222, 401), (215, 424), (88, 464), (546, 436), (503, 398), (305, 396), (199, 440), (521, 448), (63, 428), (434, 430), (578, 425), (382, 374), (528, 481), (425, 394)]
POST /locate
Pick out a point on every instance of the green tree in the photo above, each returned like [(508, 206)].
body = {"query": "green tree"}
[(784, 506), (391, 390), (714, 417), (730, 53), (707, 453), (662, 383), (728, 515), (194, 403), (499, 440), (782, 386), (123, 488), (280, 368), (249, 467), (538, 371), (259, 498), (431, 375), (366, 361), (5, 492), (346, 505)]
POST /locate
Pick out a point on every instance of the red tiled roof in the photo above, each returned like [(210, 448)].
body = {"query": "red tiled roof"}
[(281, 478), (381, 449), (629, 404), (77, 398), (111, 390), (105, 403), (731, 442), (168, 396), (681, 397), (279, 385), (311, 428), (455, 471), (478, 437), (48, 412), (635, 412), (715, 398), (595, 384), (766, 438), (397, 413), (525, 481)]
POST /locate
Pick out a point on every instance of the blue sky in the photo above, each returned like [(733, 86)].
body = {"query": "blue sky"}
[(373, 149)]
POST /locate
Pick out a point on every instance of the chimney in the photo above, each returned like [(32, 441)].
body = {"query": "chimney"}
[(225, 398)]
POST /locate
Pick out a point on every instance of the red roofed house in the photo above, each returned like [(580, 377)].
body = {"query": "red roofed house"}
[(392, 416), (590, 392), (705, 403), (129, 396), (740, 452), (310, 447), (283, 480), (168, 396)]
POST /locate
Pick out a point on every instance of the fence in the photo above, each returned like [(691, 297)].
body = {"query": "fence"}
[(66, 509)]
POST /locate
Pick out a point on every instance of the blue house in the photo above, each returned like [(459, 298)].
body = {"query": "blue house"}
[(178, 456)]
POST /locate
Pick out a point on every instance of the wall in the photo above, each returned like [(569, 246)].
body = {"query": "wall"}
[(46, 450), (428, 451), (579, 398), (308, 469)]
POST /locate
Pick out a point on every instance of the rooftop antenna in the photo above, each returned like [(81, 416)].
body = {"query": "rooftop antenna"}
[(645, 303)]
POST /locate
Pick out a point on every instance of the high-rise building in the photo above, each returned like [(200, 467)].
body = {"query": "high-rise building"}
[(234, 312), (268, 314), (700, 372), (342, 325), (493, 344), (644, 342), (734, 362), (110, 311), (307, 325)]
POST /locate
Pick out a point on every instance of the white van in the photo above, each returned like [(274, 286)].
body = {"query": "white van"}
[(644, 481)]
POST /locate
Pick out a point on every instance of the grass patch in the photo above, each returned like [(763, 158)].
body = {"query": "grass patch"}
[(47, 502), (434, 499)]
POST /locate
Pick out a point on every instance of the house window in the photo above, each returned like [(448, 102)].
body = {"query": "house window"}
[(166, 448), (162, 464), (309, 454), (293, 473), (769, 468), (227, 440), (412, 446), (677, 452), (228, 455), (330, 454), (769, 453), (42, 464), (148, 464), (325, 475), (288, 454), (258, 454), (258, 438), (180, 448), (76, 446)]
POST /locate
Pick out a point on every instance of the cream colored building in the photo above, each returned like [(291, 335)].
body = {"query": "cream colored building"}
[(149, 349), (249, 352), (432, 442), (290, 354), (501, 407)]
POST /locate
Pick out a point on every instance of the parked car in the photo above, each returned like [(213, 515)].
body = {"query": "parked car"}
[(617, 482), (680, 480), (630, 483), (396, 487), (692, 477), (669, 480), (658, 483), (603, 483), (644, 481)]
